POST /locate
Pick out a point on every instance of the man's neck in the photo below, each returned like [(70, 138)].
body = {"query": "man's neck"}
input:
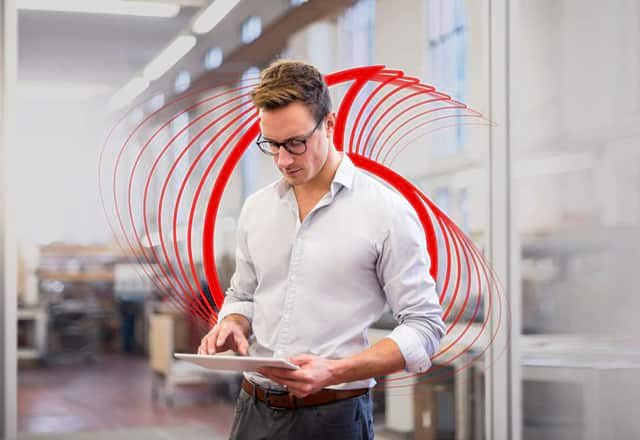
[(322, 182)]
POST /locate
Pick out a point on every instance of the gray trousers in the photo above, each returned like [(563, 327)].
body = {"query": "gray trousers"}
[(348, 419)]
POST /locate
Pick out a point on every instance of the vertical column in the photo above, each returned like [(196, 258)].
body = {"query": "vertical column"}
[(503, 398), (8, 306)]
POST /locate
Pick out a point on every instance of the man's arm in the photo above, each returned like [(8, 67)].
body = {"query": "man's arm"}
[(403, 270), (234, 320), (239, 296), (316, 372)]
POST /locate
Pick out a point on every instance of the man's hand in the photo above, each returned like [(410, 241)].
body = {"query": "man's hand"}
[(314, 374), (229, 334)]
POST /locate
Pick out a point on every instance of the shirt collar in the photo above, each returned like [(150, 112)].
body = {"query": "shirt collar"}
[(343, 178)]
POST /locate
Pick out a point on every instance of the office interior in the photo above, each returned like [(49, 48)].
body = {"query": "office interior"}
[(549, 193)]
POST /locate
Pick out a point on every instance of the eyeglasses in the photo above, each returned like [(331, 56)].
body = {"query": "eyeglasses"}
[(293, 146)]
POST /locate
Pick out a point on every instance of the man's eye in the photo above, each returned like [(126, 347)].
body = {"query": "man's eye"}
[(295, 143)]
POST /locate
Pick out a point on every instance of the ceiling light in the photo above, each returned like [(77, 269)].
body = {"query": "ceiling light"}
[(169, 57), (116, 7), (213, 15), (128, 93)]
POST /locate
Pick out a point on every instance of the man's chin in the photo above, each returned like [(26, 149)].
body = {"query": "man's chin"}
[(297, 179)]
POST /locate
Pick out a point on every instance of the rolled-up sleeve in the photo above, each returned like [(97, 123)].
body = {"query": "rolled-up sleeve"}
[(403, 269), (239, 296)]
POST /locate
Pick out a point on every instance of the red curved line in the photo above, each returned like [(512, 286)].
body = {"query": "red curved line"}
[(445, 287), (466, 349), (361, 76), (440, 97), (165, 184), (146, 194), (379, 120), (458, 233), (157, 131), (429, 223), (429, 121), (404, 83), (462, 352), (464, 305), (393, 74), (405, 188), (179, 199), (166, 278), (201, 185), (114, 232), (406, 122), (228, 166), (132, 249), (458, 274), (421, 135)]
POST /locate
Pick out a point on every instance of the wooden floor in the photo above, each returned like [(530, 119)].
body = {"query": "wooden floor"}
[(113, 394)]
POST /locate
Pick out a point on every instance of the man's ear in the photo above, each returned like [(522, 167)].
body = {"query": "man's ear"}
[(330, 124)]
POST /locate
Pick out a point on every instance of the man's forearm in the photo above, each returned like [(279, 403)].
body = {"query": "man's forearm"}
[(381, 359)]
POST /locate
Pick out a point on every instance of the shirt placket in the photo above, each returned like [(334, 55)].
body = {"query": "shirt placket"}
[(285, 335)]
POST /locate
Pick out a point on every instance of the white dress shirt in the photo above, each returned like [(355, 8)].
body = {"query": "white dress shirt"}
[(315, 287)]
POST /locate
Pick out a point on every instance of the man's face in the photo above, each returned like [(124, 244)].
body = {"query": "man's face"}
[(296, 122)]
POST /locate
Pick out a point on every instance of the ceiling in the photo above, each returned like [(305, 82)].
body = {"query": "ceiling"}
[(56, 48), (91, 48)]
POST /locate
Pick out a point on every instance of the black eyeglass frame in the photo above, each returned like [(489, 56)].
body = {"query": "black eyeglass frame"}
[(266, 149)]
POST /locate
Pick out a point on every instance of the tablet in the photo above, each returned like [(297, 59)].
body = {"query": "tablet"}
[(235, 363)]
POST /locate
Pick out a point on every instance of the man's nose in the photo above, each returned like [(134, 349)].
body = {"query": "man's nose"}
[(284, 158)]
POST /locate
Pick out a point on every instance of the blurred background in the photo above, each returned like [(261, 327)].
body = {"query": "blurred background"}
[(551, 195)]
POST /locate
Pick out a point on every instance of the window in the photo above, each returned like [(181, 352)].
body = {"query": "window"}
[(297, 2), (249, 162), (251, 29), (213, 58), (359, 23), (251, 74), (156, 102), (447, 64), (183, 81)]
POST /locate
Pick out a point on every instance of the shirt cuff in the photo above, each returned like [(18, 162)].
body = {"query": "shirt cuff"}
[(244, 308), (416, 358)]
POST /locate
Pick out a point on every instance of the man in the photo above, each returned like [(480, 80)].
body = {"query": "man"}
[(319, 253)]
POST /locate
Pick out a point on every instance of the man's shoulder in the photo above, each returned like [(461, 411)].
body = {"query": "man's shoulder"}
[(370, 187), (266, 193)]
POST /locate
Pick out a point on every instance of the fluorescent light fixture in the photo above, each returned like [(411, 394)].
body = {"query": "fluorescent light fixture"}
[(115, 7), (169, 57), (213, 15), (128, 93), (38, 91)]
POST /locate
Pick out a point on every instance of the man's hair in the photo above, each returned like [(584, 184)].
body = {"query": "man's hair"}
[(285, 81)]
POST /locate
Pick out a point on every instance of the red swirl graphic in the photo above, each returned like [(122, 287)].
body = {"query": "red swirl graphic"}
[(163, 177)]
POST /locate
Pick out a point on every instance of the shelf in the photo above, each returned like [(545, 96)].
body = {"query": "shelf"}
[(87, 277), (77, 251)]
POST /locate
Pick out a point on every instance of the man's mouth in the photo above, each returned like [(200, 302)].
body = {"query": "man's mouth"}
[(293, 172)]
